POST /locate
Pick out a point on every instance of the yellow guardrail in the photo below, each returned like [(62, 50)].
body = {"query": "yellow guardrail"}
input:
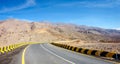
[(89, 51), (9, 48)]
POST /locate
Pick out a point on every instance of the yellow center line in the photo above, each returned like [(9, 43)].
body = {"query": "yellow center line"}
[(23, 55)]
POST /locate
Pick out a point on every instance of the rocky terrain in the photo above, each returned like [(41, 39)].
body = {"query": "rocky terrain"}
[(16, 31)]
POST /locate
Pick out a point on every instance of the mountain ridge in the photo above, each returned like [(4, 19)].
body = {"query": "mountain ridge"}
[(14, 31)]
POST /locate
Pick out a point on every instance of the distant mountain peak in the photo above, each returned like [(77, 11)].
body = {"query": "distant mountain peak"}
[(35, 31)]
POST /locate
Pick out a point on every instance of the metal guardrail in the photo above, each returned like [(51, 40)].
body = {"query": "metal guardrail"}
[(9, 48), (89, 51)]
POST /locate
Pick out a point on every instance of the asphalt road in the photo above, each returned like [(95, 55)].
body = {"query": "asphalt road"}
[(49, 54)]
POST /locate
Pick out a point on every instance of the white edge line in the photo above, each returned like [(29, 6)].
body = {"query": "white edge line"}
[(56, 55)]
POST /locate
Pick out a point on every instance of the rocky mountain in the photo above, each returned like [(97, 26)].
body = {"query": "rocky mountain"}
[(15, 31)]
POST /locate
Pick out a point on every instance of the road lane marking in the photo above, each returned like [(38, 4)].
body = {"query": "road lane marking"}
[(89, 56), (23, 55), (56, 55)]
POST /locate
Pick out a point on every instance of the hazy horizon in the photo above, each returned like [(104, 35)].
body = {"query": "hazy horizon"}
[(43, 21), (97, 13)]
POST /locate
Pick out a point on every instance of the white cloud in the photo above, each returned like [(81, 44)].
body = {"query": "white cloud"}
[(117, 28), (105, 3), (26, 20), (28, 3)]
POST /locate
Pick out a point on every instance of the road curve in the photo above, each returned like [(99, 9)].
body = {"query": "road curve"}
[(49, 54)]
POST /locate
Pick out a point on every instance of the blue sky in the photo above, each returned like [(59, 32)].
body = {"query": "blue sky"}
[(99, 13)]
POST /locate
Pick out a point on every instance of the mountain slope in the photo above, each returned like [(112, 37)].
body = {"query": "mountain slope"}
[(14, 31)]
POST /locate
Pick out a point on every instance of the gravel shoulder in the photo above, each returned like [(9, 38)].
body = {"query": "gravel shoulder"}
[(10, 57)]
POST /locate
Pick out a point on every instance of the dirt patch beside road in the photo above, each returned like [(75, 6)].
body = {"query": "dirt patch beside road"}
[(6, 58)]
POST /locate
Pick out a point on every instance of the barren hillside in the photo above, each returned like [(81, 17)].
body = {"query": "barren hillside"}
[(15, 31)]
